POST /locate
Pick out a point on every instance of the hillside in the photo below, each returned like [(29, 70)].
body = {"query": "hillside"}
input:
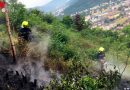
[(81, 5), (56, 4), (62, 54), (70, 6)]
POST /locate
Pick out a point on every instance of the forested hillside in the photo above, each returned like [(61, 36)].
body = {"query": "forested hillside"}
[(82, 5), (63, 53)]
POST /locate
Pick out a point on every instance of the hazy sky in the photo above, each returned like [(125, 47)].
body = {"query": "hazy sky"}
[(34, 3)]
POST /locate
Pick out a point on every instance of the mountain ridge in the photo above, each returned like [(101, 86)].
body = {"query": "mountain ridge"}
[(55, 5), (68, 7)]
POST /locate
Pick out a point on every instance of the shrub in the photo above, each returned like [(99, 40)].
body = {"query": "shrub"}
[(68, 53), (92, 54), (78, 77)]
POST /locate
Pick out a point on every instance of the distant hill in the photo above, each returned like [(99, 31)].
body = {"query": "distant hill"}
[(56, 4), (82, 5), (70, 6)]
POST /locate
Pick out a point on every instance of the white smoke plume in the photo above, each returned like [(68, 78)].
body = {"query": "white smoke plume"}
[(114, 65), (119, 65), (33, 64)]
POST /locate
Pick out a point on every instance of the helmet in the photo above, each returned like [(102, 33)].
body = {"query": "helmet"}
[(24, 24), (101, 49)]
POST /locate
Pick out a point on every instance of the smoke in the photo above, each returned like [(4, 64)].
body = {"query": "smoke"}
[(33, 64), (33, 69), (114, 64)]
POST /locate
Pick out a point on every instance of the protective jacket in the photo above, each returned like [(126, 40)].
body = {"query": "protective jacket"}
[(24, 33), (100, 55)]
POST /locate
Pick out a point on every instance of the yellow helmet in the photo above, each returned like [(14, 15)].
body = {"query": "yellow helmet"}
[(101, 49), (24, 24)]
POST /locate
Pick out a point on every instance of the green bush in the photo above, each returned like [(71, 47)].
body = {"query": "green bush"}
[(49, 18), (68, 53), (59, 43), (92, 54), (60, 37), (88, 83), (67, 20), (126, 30), (78, 77)]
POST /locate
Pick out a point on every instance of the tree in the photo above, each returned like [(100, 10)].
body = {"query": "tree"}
[(67, 20), (79, 22), (35, 11), (49, 18), (17, 13)]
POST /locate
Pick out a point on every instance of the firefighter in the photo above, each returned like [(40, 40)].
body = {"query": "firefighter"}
[(25, 32), (24, 37), (101, 57)]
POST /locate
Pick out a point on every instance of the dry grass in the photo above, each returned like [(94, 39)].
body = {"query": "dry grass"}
[(56, 65)]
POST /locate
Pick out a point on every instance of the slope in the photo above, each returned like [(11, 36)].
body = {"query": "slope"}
[(56, 4), (82, 5)]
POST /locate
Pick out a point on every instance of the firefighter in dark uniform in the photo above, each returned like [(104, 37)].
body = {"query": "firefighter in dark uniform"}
[(101, 57), (24, 37), (24, 32)]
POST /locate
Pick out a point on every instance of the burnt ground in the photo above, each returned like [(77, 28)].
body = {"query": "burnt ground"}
[(124, 85), (13, 80)]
